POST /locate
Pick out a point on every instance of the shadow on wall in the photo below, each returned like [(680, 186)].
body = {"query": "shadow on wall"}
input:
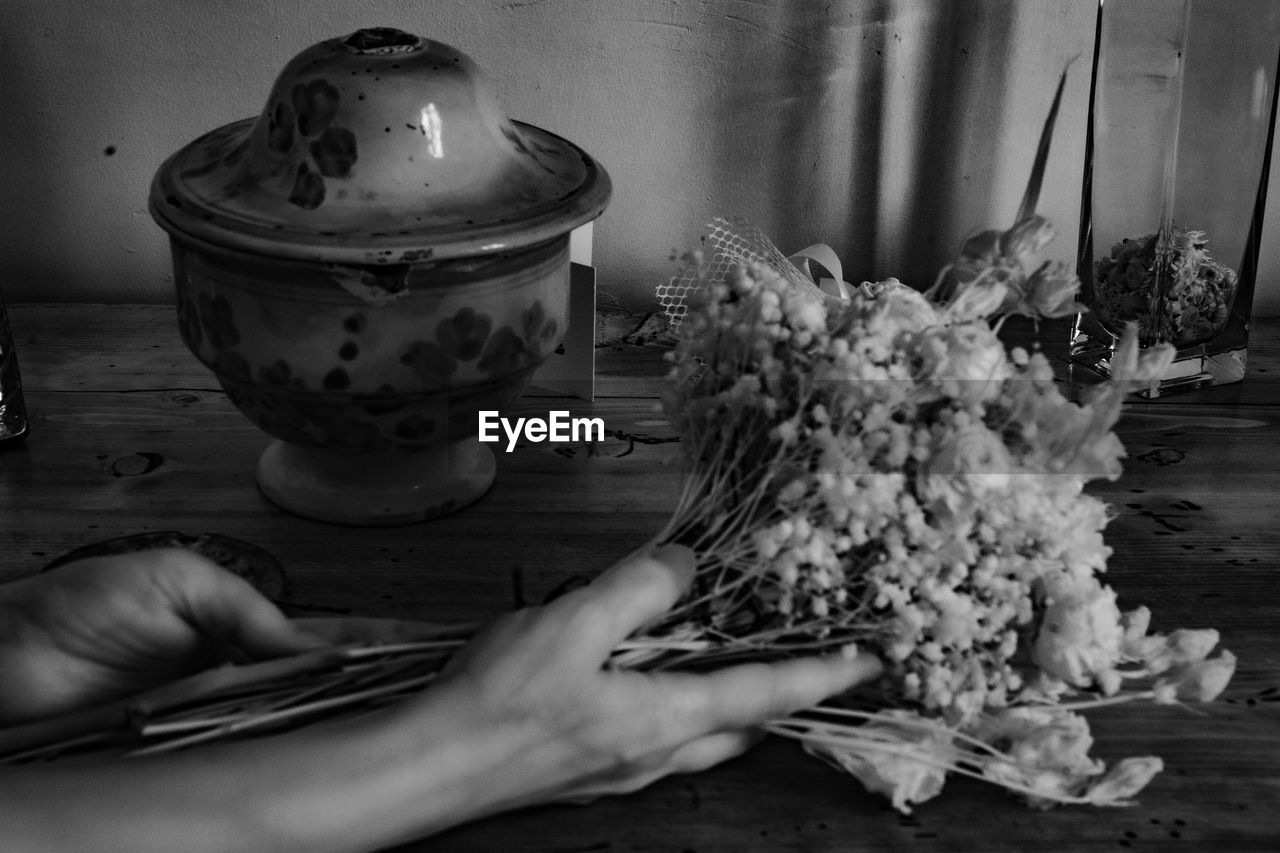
[(31, 201), (879, 128), (796, 123), (964, 81)]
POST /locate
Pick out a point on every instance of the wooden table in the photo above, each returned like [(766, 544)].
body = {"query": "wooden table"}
[(130, 434)]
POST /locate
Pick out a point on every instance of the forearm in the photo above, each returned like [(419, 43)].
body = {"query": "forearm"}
[(357, 785)]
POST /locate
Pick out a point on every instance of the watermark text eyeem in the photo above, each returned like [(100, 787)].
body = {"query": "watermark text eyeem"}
[(559, 426)]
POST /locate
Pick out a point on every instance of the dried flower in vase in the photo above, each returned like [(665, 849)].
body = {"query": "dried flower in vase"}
[(1179, 295)]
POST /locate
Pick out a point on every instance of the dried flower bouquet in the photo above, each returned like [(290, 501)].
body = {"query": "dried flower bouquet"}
[(882, 474)]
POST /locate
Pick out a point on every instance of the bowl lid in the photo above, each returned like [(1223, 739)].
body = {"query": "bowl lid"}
[(380, 147)]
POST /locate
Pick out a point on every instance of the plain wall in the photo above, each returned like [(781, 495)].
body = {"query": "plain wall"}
[(889, 129)]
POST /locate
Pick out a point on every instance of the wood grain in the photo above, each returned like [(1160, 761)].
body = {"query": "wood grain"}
[(130, 434)]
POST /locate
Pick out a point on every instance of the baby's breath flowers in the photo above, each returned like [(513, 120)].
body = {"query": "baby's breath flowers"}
[(882, 474)]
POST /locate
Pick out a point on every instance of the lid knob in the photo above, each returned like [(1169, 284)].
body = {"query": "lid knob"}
[(382, 40)]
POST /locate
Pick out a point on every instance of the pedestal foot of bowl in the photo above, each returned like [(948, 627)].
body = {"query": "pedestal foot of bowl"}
[(379, 489)]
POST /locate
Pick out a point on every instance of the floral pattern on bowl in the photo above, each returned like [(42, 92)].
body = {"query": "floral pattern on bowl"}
[(354, 378)]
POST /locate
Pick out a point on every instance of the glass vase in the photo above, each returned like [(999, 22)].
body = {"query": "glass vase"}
[(13, 412), (1180, 128)]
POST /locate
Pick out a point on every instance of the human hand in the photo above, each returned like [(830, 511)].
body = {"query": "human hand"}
[(527, 713), (103, 628), (566, 728)]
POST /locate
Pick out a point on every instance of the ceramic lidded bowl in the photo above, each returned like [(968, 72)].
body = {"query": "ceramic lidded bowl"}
[(367, 264)]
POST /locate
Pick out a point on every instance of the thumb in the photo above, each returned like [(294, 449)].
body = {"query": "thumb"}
[(231, 613), (258, 631)]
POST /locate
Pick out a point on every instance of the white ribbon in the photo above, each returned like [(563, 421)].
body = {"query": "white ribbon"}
[(824, 259)]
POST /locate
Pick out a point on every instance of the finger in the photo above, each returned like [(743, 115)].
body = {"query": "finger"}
[(749, 694), (227, 609), (637, 589), (716, 748)]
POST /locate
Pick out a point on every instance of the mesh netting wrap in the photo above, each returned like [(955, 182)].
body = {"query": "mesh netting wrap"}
[(728, 243)]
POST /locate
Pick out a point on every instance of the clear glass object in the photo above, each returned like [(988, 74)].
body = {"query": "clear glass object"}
[(1180, 129), (13, 412)]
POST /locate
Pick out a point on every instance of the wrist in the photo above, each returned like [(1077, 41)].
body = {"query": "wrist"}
[(11, 619), (22, 655), (472, 763), (411, 770)]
